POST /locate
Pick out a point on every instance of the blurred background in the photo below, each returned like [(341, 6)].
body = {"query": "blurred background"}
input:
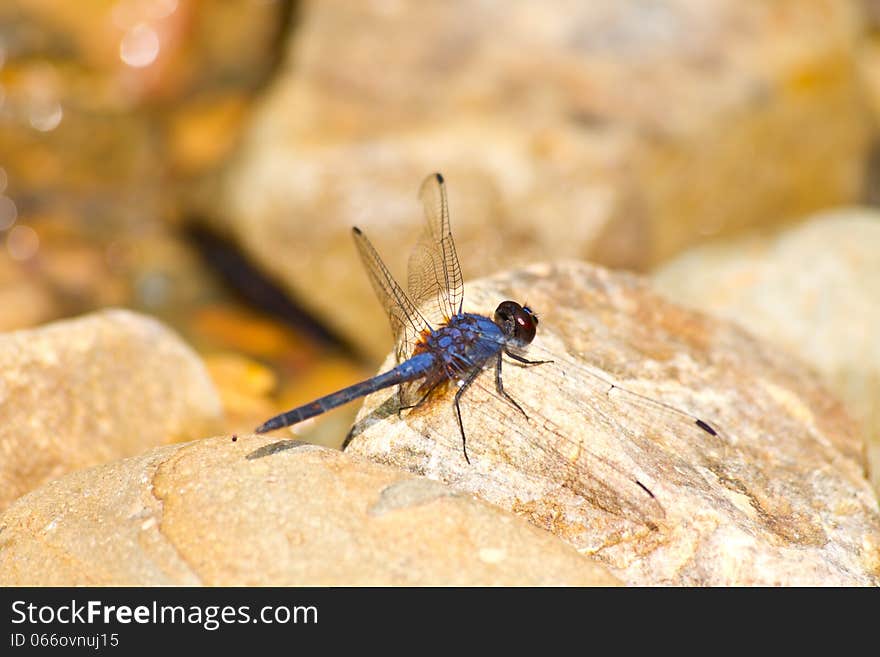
[(203, 162)]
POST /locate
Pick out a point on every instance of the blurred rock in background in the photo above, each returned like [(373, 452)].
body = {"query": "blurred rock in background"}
[(98, 96), (616, 132)]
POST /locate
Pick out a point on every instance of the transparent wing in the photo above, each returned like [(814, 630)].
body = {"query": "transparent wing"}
[(435, 282), (621, 435), (407, 323), (606, 388)]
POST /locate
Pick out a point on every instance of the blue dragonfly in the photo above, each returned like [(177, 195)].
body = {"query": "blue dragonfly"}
[(437, 344)]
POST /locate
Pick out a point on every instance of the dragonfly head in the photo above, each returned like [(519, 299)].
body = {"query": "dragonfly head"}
[(517, 322)]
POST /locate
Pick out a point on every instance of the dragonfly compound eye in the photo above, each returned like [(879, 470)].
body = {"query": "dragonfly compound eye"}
[(516, 322)]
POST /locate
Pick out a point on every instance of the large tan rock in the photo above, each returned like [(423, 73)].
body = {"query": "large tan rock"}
[(265, 512), (813, 289), (79, 392), (778, 496), (615, 131)]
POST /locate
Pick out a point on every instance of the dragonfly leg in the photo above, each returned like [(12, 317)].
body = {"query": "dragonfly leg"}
[(499, 386), (465, 384), (421, 401), (524, 361)]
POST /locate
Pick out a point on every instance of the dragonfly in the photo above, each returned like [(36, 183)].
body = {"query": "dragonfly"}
[(437, 343)]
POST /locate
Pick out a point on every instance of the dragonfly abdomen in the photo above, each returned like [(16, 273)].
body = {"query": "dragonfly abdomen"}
[(409, 370)]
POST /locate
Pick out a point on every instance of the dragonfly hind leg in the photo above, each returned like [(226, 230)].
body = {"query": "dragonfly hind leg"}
[(421, 401), (464, 385)]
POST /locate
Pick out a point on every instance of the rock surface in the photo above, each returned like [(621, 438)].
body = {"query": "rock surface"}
[(265, 512), (813, 289), (84, 391), (617, 132), (779, 496)]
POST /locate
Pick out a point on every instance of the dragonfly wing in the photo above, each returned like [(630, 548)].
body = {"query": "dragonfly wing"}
[(407, 323), (607, 388), (435, 282)]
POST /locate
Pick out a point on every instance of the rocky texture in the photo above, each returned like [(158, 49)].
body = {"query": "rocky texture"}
[(618, 132), (84, 391), (779, 496), (265, 512), (813, 289)]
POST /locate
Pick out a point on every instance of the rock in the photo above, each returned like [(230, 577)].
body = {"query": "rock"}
[(812, 289), (778, 496), (265, 512), (617, 132), (84, 391)]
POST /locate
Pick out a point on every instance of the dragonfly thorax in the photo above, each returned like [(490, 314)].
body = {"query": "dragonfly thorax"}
[(464, 342)]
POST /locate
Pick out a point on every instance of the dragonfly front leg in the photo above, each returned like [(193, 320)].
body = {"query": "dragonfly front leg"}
[(524, 361)]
